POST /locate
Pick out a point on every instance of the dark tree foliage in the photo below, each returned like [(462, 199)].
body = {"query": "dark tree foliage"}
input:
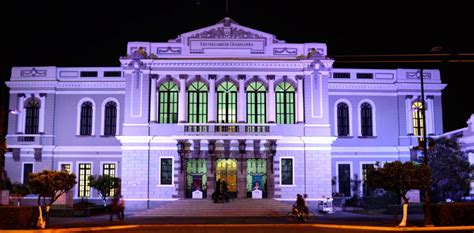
[(398, 177), (104, 184), (450, 171)]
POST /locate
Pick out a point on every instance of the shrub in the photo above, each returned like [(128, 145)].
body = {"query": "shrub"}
[(453, 214)]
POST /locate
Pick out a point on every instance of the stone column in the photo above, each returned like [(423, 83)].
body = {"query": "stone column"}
[(271, 99), (429, 115), (211, 99), (153, 99), (299, 99), (242, 172), (42, 98), (182, 100), (241, 101), (409, 116)]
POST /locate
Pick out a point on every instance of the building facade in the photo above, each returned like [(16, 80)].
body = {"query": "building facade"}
[(223, 102)]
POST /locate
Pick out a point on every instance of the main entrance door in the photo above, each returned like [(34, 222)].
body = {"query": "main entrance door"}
[(227, 171)]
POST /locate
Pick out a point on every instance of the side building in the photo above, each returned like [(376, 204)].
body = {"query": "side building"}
[(224, 102)]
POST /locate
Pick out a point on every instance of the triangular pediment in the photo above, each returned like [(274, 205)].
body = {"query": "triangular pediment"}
[(226, 32)]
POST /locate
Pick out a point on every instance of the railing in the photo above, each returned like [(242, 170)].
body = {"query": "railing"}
[(226, 128), (29, 139)]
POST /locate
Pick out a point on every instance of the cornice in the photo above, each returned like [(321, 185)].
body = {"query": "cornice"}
[(384, 87), (65, 85), (31, 84)]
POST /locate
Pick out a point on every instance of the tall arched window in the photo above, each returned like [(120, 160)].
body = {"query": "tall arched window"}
[(110, 119), (32, 107), (342, 119), (197, 103), (366, 120), (418, 126), (256, 103), (285, 103), (168, 105), (86, 118), (226, 103)]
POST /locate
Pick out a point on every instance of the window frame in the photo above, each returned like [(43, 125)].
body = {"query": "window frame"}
[(351, 175), (285, 93), (78, 163), (349, 109), (103, 118), (228, 94), (255, 106), (374, 118), (172, 171), (170, 105), (293, 184), (200, 102), (23, 170), (79, 110)]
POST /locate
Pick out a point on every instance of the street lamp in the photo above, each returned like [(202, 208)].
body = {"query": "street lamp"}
[(211, 148), (181, 147), (427, 208), (273, 149)]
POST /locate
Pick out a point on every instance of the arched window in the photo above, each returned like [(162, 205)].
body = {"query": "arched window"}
[(226, 103), (256, 103), (32, 107), (197, 103), (342, 119), (86, 118), (110, 119), (285, 103), (168, 105), (366, 120), (418, 126)]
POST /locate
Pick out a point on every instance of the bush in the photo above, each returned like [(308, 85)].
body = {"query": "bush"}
[(12, 217), (413, 208), (453, 214)]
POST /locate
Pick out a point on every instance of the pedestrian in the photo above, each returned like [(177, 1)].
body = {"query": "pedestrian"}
[(121, 204), (114, 208)]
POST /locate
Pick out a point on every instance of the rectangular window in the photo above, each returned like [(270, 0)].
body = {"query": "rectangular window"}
[(166, 172), (27, 170), (365, 75), (341, 75), (88, 73), (108, 169), (366, 191), (84, 173), (112, 74), (66, 167), (287, 171), (344, 179)]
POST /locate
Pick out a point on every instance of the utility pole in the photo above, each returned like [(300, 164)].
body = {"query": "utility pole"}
[(427, 207)]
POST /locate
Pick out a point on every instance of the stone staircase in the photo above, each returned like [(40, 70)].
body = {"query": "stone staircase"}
[(206, 208)]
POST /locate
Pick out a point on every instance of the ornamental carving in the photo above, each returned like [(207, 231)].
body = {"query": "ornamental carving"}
[(226, 33), (33, 73)]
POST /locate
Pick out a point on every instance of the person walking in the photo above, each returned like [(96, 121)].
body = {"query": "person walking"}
[(114, 208), (121, 208)]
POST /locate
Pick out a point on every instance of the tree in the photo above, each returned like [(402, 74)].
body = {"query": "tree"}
[(49, 186), (104, 185), (399, 178), (18, 191), (450, 170)]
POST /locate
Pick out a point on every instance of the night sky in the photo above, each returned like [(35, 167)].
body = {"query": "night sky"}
[(96, 34)]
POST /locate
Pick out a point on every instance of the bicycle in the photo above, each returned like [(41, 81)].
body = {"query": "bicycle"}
[(300, 216)]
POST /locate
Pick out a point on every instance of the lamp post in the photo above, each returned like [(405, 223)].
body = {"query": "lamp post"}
[(211, 148), (272, 147), (427, 208), (181, 147), (242, 147)]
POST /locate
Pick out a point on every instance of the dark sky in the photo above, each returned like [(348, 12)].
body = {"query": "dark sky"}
[(38, 33)]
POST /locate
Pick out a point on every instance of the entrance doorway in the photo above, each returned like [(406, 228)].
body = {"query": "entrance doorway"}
[(196, 177), (257, 176), (226, 170)]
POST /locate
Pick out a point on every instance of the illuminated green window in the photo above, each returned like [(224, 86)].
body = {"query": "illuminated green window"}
[(285, 103), (418, 126), (226, 103), (256, 103), (168, 103), (197, 103), (108, 169), (84, 173)]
